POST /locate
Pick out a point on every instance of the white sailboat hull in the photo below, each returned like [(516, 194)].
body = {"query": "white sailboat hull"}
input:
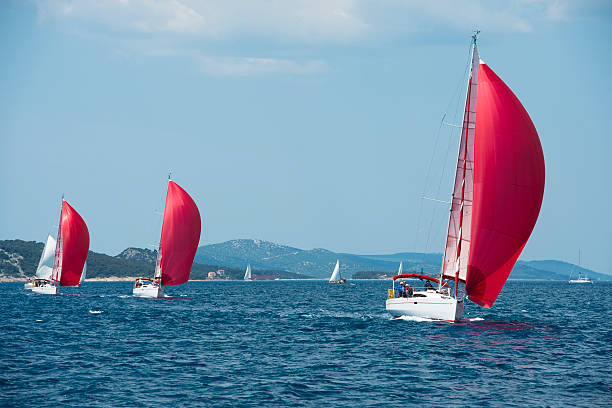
[(45, 290), (428, 305), (148, 291), (28, 285), (580, 281)]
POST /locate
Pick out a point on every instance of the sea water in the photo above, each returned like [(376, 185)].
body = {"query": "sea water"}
[(301, 343)]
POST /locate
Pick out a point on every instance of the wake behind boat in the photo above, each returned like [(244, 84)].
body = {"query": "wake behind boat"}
[(335, 277), (180, 236), (62, 262), (497, 195)]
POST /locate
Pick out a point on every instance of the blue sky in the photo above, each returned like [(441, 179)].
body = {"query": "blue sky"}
[(308, 123)]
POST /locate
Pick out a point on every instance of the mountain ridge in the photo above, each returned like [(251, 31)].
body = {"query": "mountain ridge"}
[(18, 260), (319, 262)]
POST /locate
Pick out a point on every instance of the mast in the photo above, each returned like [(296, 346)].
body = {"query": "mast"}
[(158, 268), (56, 274), (458, 236)]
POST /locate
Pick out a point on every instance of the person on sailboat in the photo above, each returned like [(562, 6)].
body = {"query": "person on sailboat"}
[(429, 286), (409, 291), (400, 290)]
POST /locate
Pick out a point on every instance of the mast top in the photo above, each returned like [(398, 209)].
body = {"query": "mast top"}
[(475, 35), (170, 175)]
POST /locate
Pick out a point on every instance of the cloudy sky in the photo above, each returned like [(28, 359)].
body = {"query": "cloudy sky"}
[(308, 123)]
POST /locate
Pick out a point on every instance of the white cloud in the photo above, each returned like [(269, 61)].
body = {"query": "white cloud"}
[(319, 20), (177, 27), (246, 66), (306, 20)]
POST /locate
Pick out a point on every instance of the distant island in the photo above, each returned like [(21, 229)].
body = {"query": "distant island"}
[(19, 259), (228, 260)]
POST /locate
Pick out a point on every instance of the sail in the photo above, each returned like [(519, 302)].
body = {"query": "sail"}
[(508, 186), (45, 265), (247, 273), (335, 277), (180, 236), (73, 245), (455, 260), (400, 269), (83, 274)]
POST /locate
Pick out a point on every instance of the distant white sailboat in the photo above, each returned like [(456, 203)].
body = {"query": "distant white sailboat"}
[(400, 270), (336, 278), (247, 274), (581, 279)]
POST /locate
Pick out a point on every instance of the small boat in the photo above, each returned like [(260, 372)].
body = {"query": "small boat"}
[(64, 265), (581, 279), (496, 200), (336, 278), (247, 274), (180, 236)]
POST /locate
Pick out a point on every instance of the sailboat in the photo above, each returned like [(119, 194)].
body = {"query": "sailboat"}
[(180, 236), (497, 195), (247, 274), (335, 277), (63, 266), (581, 279)]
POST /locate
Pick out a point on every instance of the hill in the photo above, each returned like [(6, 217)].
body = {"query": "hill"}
[(320, 262), (19, 259)]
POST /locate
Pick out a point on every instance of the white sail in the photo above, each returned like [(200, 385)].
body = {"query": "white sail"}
[(45, 266), (247, 273), (335, 277), (401, 269), (83, 274)]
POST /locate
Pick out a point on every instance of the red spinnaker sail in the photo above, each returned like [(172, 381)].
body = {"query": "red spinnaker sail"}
[(508, 186), (180, 236), (75, 245)]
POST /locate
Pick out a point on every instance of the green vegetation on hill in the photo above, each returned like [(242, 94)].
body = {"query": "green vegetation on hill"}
[(19, 259)]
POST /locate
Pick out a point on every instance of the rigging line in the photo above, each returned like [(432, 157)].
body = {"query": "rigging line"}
[(444, 162), (426, 182)]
